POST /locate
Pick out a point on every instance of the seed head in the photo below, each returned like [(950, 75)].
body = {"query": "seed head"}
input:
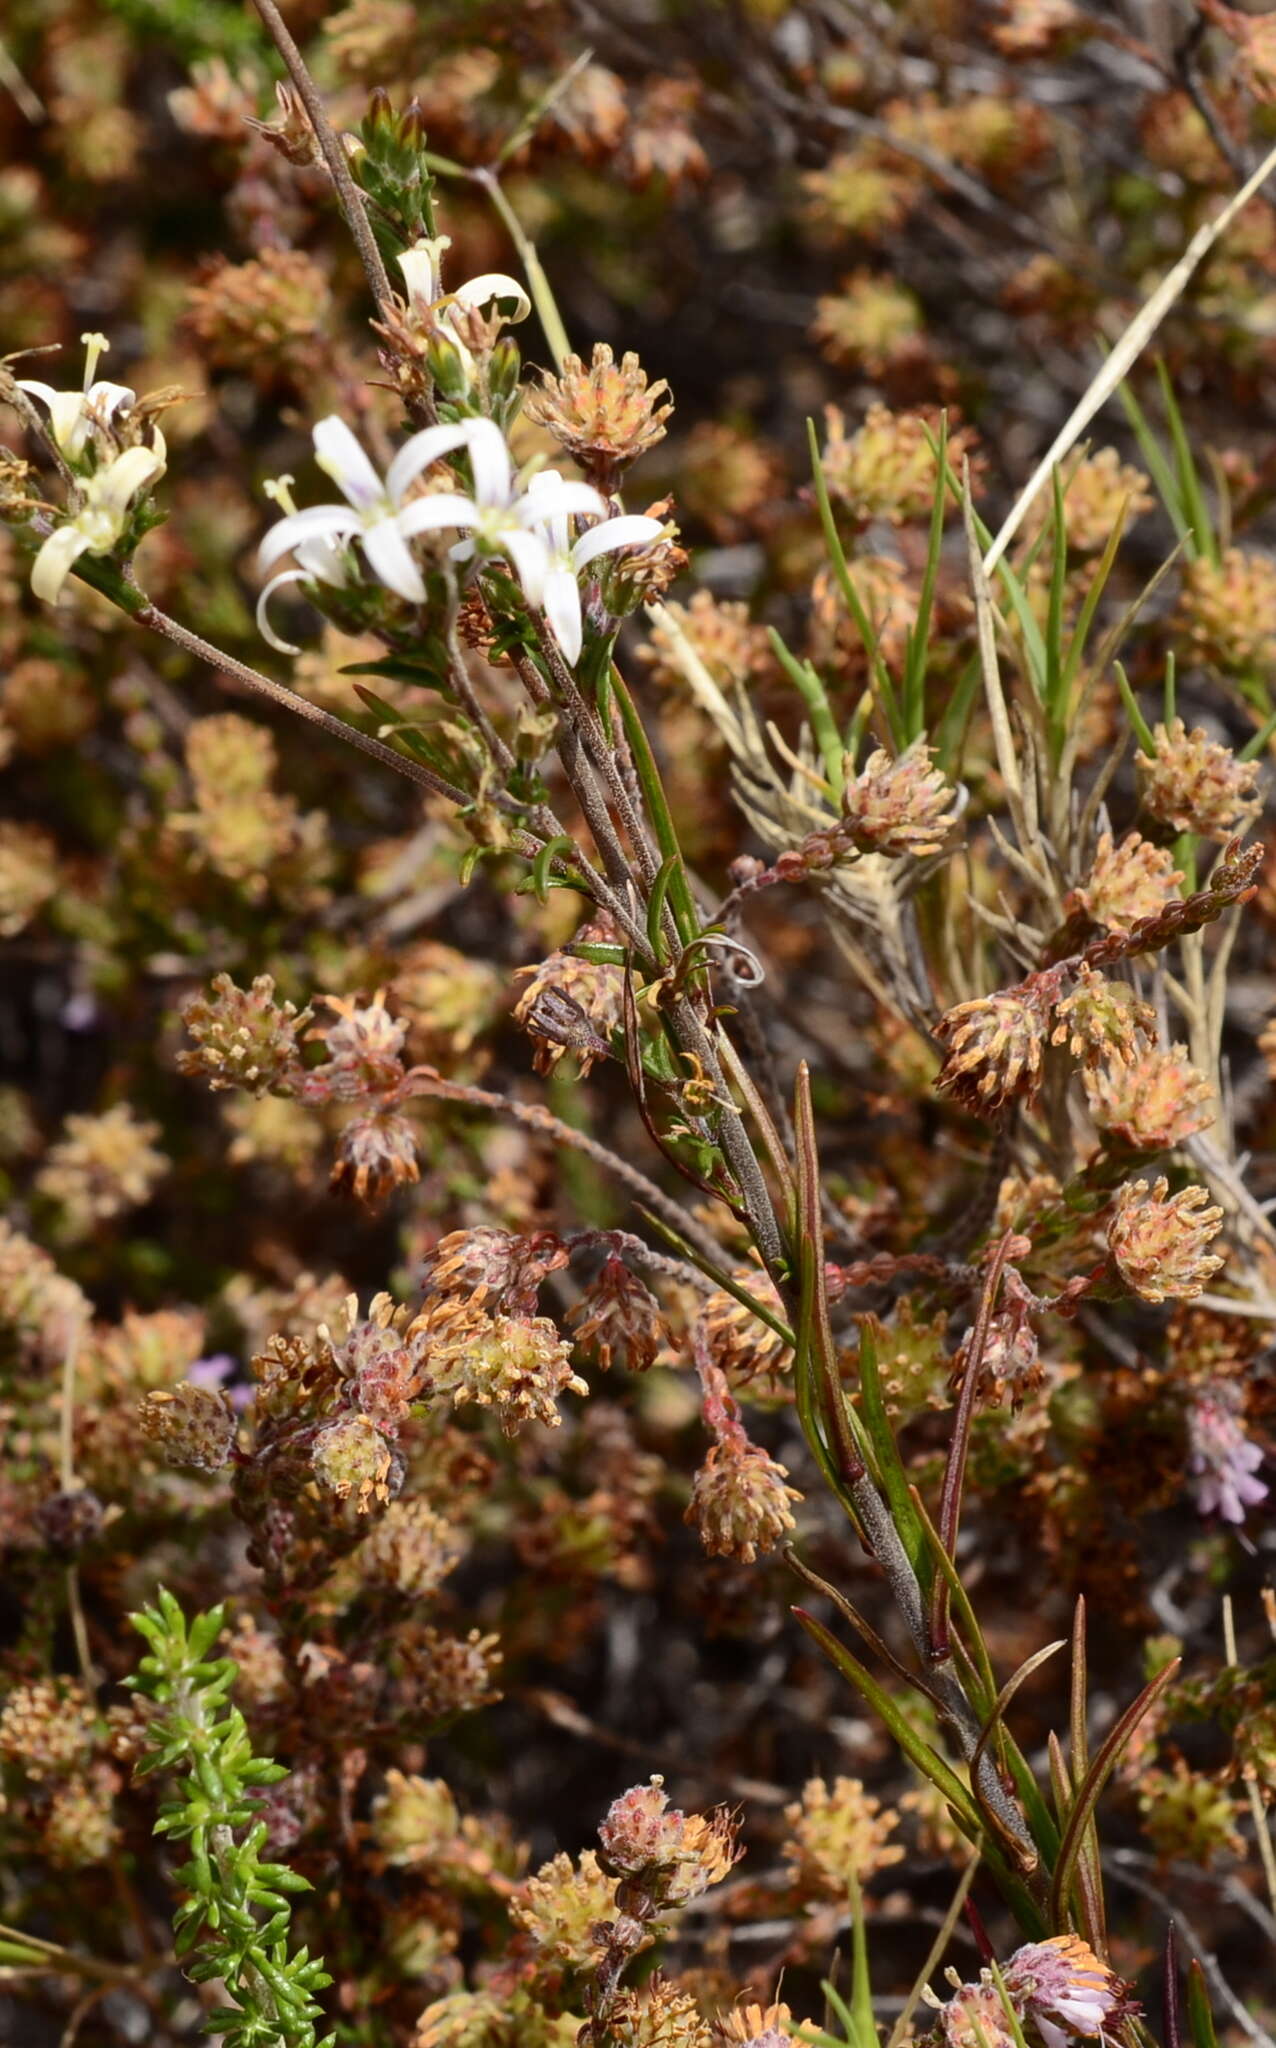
[(1103, 1023), (375, 1155), (1158, 1241), (995, 1046), (1127, 882), (363, 1045), (618, 1316), (514, 1365), (1157, 1100), (1192, 783), (838, 1835), (192, 1425), (243, 1037), (350, 1456), (604, 416), (740, 1502), (29, 875), (901, 806), (560, 1907)]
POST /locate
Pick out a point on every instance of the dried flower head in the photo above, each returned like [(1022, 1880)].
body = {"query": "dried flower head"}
[(414, 1820), (1127, 882), (995, 1046), (192, 1425), (1158, 1241), (1103, 1023), (444, 1676), (1226, 611), (675, 1856), (412, 1549), (729, 479), (1094, 494), (748, 1350), (872, 319), (29, 875), (756, 2026), (901, 806), (350, 1456), (1222, 1460), (604, 416), (265, 317), (661, 2015), (493, 1269), (617, 1315), (364, 1047), (514, 1365), (722, 636), (858, 193), (1154, 1101), (740, 1503), (1189, 1817), (40, 1310), (1193, 783), (561, 1906), (376, 1154), (590, 996), (46, 1729), (243, 1037), (101, 1166), (887, 468), (839, 1835)]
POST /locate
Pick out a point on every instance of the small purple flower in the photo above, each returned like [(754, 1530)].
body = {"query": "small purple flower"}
[(214, 1371), (1222, 1460)]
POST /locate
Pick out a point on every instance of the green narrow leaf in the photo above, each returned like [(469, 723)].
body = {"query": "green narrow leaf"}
[(854, 602), (1160, 470), (1087, 1795), (919, 634), (1055, 687), (1142, 730), (1192, 495), (1199, 2017), (681, 901), (656, 909)]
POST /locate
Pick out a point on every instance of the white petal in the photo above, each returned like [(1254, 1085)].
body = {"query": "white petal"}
[(480, 291), (420, 268), (114, 488), (44, 392), (417, 454), (264, 626), (567, 498), (546, 512), (107, 399), (341, 456), (561, 601), (66, 418), (317, 522), (390, 560), (622, 532), (324, 561), (444, 508), (490, 463), (55, 560), (530, 557)]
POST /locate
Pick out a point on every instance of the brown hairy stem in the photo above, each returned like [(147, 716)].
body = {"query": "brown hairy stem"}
[(349, 197)]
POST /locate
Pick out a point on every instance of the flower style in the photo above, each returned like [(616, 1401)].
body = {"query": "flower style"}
[(550, 500), (98, 526), (73, 415)]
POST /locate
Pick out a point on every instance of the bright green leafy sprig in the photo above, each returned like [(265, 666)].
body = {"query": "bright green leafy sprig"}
[(234, 1925)]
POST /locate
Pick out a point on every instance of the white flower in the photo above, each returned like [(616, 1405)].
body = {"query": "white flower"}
[(318, 561), (98, 525), (374, 513), (422, 267), (74, 414), (528, 528), (547, 495)]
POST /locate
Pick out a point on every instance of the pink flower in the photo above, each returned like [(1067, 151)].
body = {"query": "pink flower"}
[(1222, 1460), (1062, 1985)]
